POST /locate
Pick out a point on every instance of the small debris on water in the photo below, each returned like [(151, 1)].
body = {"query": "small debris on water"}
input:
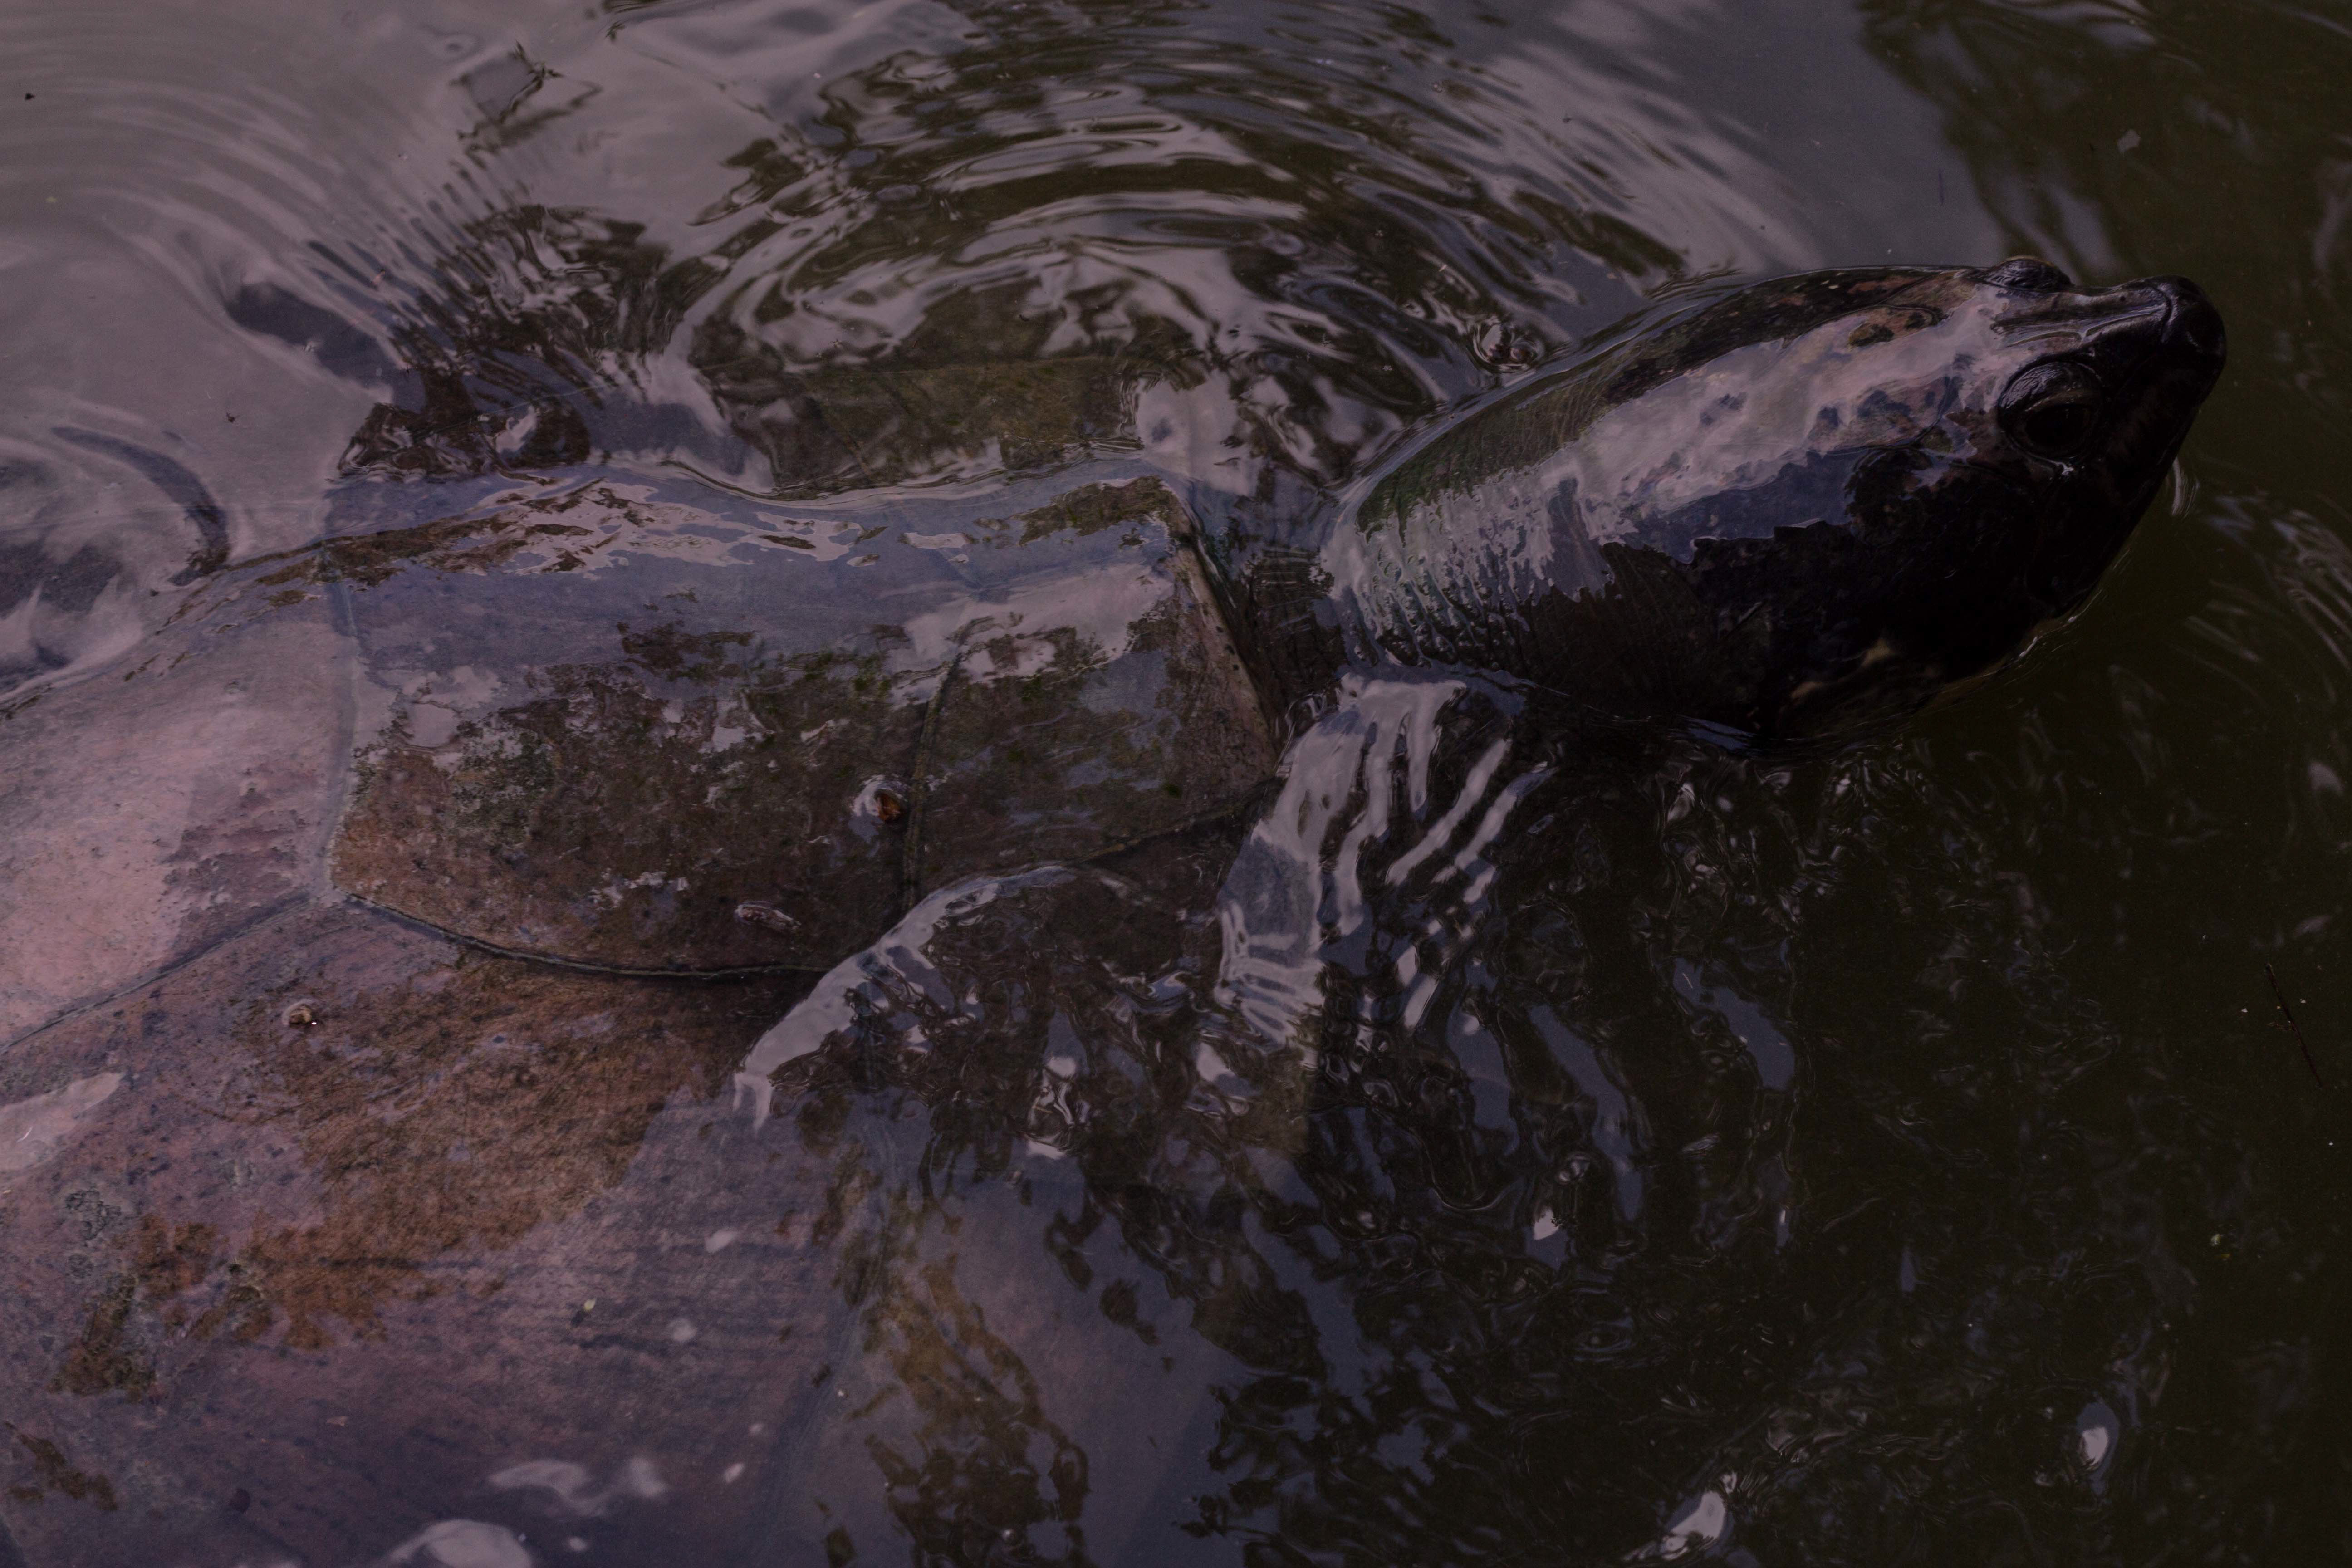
[(884, 799), (2127, 140), (2097, 1430), (2293, 1027), (768, 916)]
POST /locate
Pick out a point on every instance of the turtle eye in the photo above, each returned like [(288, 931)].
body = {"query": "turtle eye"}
[(2051, 410)]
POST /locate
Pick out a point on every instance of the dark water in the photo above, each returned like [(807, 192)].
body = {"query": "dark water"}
[(1895, 1155)]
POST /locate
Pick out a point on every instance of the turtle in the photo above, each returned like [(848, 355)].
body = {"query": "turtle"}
[(388, 922)]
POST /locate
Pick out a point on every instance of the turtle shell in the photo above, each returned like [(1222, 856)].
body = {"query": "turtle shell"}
[(615, 727), (633, 726)]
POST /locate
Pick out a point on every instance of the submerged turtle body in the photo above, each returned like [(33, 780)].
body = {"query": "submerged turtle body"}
[(349, 910)]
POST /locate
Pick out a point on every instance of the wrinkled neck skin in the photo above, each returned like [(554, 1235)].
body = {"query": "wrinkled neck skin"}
[(1795, 512)]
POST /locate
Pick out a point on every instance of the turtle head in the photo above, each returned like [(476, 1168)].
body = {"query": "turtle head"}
[(1812, 504), (1839, 495)]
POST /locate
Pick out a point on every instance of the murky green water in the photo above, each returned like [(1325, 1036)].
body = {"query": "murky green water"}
[(1895, 1155)]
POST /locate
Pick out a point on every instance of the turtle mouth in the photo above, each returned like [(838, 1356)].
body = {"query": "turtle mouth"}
[(2192, 326), (2163, 391), (2153, 350)]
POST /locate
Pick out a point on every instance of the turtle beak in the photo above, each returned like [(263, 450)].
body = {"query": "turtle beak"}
[(2160, 394), (2158, 346), (2193, 340)]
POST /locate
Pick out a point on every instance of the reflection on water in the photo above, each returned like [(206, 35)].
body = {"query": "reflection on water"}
[(1486, 1141)]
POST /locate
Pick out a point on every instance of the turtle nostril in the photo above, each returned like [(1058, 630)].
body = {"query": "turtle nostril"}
[(2030, 274)]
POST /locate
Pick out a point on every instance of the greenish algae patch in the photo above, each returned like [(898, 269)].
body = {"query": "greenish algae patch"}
[(596, 821), (53, 1473)]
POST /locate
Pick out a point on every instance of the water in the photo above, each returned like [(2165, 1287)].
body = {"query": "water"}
[(1485, 1150)]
